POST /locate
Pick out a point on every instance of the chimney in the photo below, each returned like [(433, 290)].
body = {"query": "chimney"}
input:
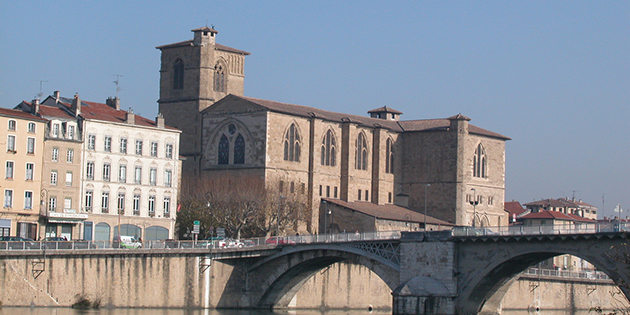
[(56, 95), (159, 121), (113, 102), (76, 105), (402, 200), (35, 106), (130, 117)]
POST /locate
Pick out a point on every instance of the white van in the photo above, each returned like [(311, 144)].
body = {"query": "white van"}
[(129, 242)]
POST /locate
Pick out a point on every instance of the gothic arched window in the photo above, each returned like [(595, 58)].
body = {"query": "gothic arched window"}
[(361, 153), (329, 149), (292, 144), (480, 162), (239, 150), (224, 150), (219, 78), (178, 75), (389, 158)]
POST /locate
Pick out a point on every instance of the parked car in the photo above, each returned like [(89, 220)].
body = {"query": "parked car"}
[(17, 242), (275, 240), (83, 244), (56, 242), (230, 243), (125, 241)]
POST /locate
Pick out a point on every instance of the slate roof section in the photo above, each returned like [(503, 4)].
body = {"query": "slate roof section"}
[(385, 109), (387, 211), (20, 114), (399, 126)]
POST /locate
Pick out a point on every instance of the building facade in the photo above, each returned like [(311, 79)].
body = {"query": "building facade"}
[(21, 151), (123, 179), (321, 154)]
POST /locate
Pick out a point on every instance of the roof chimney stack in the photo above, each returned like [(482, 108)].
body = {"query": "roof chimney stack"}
[(159, 121), (76, 105), (130, 117), (56, 96), (113, 102), (35, 106)]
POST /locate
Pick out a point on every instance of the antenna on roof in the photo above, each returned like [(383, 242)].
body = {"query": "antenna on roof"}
[(40, 94), (117, 83)]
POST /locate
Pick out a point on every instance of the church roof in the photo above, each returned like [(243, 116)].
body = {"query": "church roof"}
[(205, 29), (385, 109), (216, 47), (399, 126), (387, 211)]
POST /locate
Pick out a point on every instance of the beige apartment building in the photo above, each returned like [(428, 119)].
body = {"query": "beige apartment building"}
[(21, 151)]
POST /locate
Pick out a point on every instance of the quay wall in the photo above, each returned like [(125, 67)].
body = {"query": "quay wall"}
[(184, 279)]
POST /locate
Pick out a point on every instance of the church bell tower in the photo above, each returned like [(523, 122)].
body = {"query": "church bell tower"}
[(194, 74)]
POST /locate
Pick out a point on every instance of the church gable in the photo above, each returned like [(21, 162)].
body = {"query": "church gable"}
[(232, 104)]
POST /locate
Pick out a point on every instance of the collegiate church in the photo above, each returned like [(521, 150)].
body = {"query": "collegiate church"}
[(376, 159)]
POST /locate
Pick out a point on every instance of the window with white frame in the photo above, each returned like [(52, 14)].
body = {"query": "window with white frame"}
[(137, 177), (89, 195), (107, 146), (55, 154), (169, 151), (52, 204), (28, 200), (167, 207), (107, 172), (29, 171), (123, 145), (67, 203), (70, 134), (55, 130), (68, 178), (31, 127), (122, 174), (70, 156), (154, 148), (138, 147), (12, 124), (152, 176), (30, 145), (8, 198), (11, 143), (53, 177), (151, 205), (91, 143), (168, 178), (89, 170), (105, 202), (136, 204), (8, 174), (121, 203)]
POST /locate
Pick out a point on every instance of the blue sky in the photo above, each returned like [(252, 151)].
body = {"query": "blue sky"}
[(554, 76)]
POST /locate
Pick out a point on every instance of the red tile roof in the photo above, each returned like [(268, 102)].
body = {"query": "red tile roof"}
[(513, 207), (20, 114), (555, 215), (387, 211)]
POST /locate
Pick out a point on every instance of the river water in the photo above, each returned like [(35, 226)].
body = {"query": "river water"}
[(157, 311)]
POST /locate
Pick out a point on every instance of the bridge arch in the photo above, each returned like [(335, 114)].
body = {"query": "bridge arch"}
[(280, 277), (486, 270)]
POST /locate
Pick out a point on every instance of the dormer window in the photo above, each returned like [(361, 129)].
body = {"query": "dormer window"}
[(55, 130), (70, 133)]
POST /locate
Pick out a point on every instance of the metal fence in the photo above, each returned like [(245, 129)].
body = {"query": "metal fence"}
[(586, 228), (584, 274)]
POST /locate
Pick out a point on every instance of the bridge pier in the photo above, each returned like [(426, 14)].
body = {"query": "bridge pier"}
[(427, 276)]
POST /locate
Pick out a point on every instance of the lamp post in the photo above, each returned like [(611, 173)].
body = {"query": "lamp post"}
[(42, 203), (425, 207), (474, 202), (278, 220), (325, 216)]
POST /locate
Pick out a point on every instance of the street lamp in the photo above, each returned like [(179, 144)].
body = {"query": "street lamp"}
[(425, 207), (474, 202), (325, 216), (278, 220), (42, 203)]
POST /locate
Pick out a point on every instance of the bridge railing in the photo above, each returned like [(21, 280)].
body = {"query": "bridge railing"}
[(584, 274), (586, 228)]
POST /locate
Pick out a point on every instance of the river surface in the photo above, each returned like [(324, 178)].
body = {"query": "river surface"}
[(158, 311)]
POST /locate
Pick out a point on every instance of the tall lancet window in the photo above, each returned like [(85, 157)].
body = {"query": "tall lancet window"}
[(480, 162), (389, 159), (329, 149), (361, 153), (239, 150), (178, 75), (219, 78), (224, 150), (292, 144)]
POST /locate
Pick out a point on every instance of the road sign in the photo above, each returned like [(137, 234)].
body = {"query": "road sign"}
[(196, 228), (220, 232)]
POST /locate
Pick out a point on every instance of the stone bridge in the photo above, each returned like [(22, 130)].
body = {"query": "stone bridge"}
[(430, 274), (434, 273)]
